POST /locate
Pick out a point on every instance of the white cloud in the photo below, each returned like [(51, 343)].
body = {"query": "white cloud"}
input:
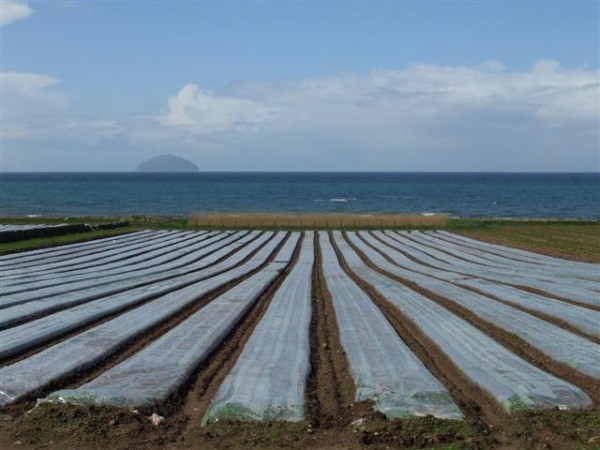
[(29, 103), (11, 11), (424, 117), (33, 109), (27, 84), (395, 107), (204, 112)]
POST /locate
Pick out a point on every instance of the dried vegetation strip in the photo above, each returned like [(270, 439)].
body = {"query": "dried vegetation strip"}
[(252, 220)]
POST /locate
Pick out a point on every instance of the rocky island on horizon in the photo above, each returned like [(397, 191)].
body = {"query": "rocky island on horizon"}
[(167, 163)]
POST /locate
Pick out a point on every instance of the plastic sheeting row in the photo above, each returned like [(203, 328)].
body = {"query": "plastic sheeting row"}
[(512, 381), (94, 345), (561, 345), (441, 260), (152, 375)]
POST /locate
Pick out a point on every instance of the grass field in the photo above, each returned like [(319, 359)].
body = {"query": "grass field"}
[(572, 240)]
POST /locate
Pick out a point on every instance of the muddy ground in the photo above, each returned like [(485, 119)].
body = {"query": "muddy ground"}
[(76, 427)]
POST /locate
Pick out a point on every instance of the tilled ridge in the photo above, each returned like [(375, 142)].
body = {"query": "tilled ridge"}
[(554, 296), (194, 397), (132, 346), (147, 299), (478, 406), (514, 343), (330, 388), (540, 315), (518, 286), (548, 318)]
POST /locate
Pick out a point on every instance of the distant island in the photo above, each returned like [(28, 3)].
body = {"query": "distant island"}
[(167, 163)]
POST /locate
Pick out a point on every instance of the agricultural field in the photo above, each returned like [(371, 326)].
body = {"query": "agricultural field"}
[(312, 339), (15, 232)]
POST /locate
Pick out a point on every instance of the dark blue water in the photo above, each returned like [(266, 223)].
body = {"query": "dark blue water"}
[(457, 194)]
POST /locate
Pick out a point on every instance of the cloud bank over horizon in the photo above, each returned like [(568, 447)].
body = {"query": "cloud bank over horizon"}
[(423, 117), (12, 11)]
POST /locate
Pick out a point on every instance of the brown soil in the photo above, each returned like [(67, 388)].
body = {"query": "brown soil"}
[(68, 427), (330, 390)]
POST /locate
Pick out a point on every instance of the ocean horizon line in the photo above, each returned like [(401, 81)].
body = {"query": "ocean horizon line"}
[(300, 172)]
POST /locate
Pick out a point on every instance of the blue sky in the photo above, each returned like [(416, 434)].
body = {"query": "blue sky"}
[(289, 85)]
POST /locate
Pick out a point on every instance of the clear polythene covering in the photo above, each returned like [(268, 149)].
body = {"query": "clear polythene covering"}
[(152, 375), (97, 343), (119, 282), (269, 378), (36, 257), (173, 256), (514, 252), (513, 382), (580, 317), (55, 261), (562, 268), (80, 311), (95, 259), (384, 369), (509, 265), (516, 271), (558, 343), (435, 258), (153, 253)]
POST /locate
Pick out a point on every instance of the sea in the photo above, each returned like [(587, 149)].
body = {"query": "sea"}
[(501, 195)]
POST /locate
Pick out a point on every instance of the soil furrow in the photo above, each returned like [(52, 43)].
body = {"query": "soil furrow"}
[(195, 397), (518, 286), (479, 407), (197, 259), (330, 389), (186, 312), (552, 319), (514, 343)]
